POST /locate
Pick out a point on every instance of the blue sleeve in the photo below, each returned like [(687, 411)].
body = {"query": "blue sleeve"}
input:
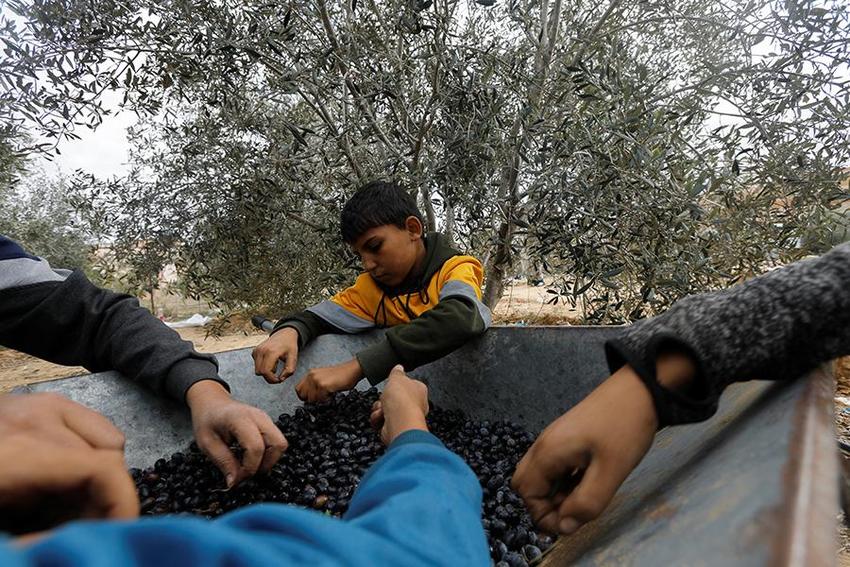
[(419, 505), (423, 498)]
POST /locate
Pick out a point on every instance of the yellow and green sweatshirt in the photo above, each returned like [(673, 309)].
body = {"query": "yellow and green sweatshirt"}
[(429, 315)]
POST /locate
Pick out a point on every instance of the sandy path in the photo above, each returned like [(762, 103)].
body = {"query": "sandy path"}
[(17, 369), (521, 303)]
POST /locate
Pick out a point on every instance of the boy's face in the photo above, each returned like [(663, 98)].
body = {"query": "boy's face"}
[(389, 253)]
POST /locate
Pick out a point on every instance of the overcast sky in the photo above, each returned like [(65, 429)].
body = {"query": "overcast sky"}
[(102, 152)]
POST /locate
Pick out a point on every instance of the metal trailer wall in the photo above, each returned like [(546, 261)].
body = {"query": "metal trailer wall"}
[(756, 485)]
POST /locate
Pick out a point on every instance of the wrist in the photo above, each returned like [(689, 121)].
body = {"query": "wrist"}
[(630, 386), (674, 374), (205, 391), (355, 371), (286, 336), (406, 423), (290, 332), (293, 330), (675, 371)]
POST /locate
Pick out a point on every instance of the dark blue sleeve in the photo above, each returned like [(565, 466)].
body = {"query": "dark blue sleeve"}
[(11, 250), (420, 504)]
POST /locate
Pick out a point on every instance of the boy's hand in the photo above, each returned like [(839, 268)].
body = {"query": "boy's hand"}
[(218, 420), (283, 345), (402, 407), (320, 383), (43, 484), (55, 419), (571, 472)]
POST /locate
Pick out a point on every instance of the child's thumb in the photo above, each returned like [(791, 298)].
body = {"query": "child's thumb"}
[(589, 498)]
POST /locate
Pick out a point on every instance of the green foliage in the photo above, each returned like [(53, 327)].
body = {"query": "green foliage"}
[(638, 150), (36, 212)]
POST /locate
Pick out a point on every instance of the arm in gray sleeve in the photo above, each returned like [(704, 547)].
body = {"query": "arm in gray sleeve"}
[(62, 317), (775, 327)]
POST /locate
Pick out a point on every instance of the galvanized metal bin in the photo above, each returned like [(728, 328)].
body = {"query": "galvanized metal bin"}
[(756, 485)]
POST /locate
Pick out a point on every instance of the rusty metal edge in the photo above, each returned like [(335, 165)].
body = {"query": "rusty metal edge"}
[(808, 512)]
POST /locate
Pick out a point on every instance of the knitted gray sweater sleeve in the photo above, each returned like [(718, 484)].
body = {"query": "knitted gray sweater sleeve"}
[(775, 327)]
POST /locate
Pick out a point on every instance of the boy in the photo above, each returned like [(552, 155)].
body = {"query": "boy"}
[(424, 290)]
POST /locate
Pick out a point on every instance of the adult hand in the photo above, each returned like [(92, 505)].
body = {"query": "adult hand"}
[(54, 419), (571, 472), (320, 383), (403, 406), (43, 484), (283, 345), (219, 420)]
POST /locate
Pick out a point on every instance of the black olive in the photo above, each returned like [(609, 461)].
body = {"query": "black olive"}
[(499, 550), (330, 447), (514, 559), (531, 552)]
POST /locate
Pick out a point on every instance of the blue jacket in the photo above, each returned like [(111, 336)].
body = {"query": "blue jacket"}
[(420, 504)]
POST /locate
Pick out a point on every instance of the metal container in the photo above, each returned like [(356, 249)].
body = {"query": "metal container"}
[(755, 485)]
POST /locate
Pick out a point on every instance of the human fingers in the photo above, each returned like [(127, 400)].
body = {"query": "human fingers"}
[(265, 359), (290, 364), (274, 440), (221, 456), (376, 417), (546, 474), (92, 427), (301, 388), (247, 434), (112, 493), (590, 497), (75, 481)]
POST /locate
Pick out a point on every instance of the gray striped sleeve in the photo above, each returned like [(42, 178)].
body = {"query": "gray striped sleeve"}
[(19, 272), (777, 326), (457, 288), (341, 318)]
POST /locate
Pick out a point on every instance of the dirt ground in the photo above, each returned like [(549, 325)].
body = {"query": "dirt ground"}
[(17, 369), (522, 304)]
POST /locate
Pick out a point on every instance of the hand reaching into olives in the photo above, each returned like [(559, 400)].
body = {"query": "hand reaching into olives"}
[(219, 420), (320, 383), (59, 461), (402, 407), (571, 472), (281, 346)]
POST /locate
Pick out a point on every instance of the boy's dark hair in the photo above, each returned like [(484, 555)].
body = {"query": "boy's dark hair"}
[(375, 204)]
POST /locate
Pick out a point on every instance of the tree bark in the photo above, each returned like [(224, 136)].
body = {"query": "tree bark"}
[(430, 216), (499, 264), (450, 222), (501, 259)]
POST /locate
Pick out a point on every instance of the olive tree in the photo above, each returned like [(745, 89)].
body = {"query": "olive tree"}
[(637, 150), (35, 211)]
